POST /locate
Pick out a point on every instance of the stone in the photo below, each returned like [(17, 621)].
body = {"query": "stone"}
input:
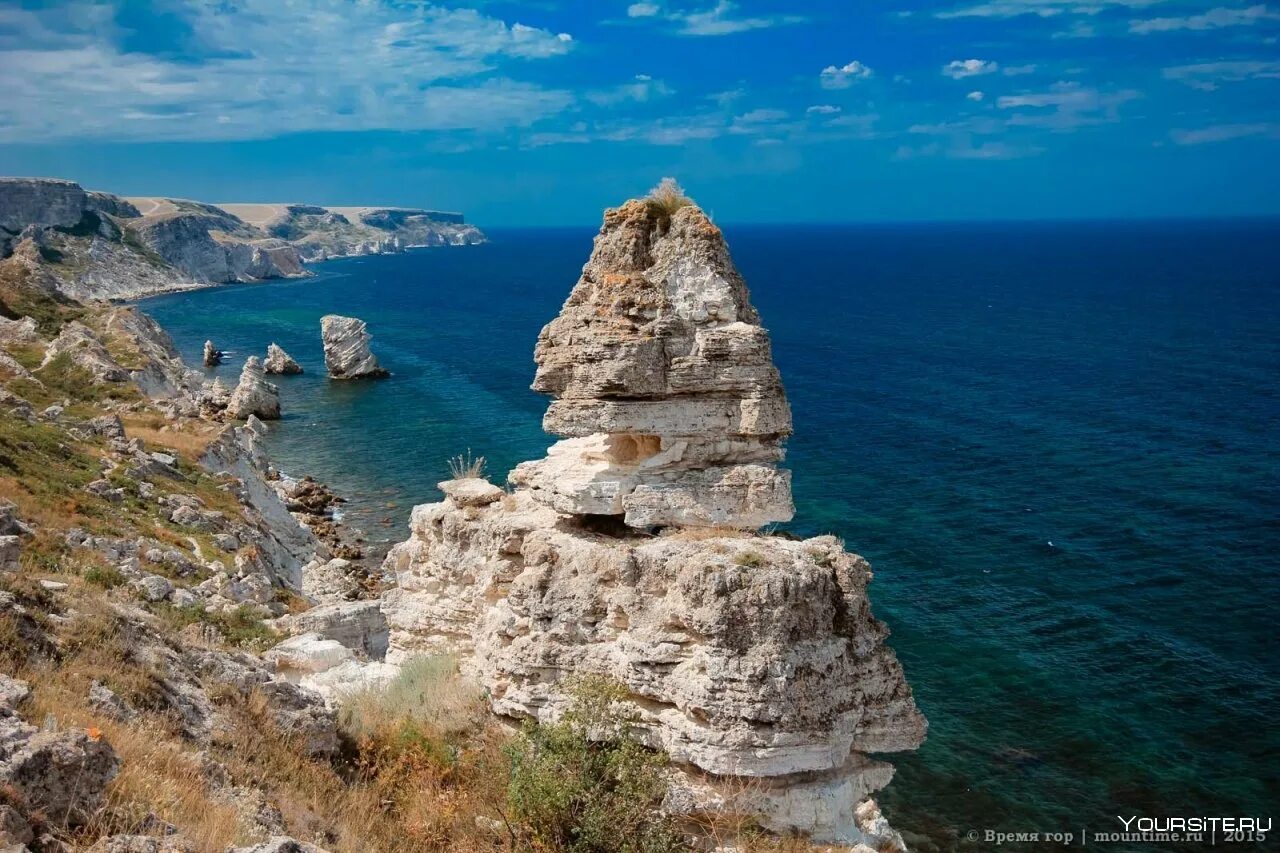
[(81, 347), (10, 524), (358, 625), (15, 832), (13, 692), (153, 587), (346, 348), (629, 552), (329, 580), (10, 553), (281, 844), (254, 395), (279, 361), (40, 201), (671, 409), (105, 489), (141, 844), (212, 356), (305, 654), (53, 586), (471, 491), (62, 774), (105, 701)]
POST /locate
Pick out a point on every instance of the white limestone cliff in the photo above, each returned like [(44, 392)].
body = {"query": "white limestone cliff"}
[(631, 551), (254, 395)]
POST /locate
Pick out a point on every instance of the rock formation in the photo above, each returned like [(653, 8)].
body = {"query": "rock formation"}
[(753, 660), (280, 362), (212, 355), (254, 395), (346, 348)]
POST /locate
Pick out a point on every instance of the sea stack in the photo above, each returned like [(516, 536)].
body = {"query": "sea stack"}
[(346, 348), (212, 355), (280, 362), (254, 395), (632, 551)]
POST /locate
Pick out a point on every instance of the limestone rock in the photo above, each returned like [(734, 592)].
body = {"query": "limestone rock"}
[(358, 625), (346, 348), (672, 411), (753, 660), (40, 201), (78, 343), (212, 355), (13, 692), (10, 552), (279, 361), (62, 774), (281, 844), (254, 395)]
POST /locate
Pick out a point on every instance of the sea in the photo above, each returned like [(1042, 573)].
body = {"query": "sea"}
[(1058, 443)]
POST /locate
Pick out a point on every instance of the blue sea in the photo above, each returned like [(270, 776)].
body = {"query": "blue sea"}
[(1058, 444)]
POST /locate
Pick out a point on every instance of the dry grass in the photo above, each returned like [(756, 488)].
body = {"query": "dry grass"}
[(702, 534), (190, 439), (666, 198), (465, 466)]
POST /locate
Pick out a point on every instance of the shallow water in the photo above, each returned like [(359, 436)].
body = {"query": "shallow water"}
[(1058, 444)]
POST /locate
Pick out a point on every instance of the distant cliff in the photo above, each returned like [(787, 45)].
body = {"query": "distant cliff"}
[(101, 246), (328, 232)]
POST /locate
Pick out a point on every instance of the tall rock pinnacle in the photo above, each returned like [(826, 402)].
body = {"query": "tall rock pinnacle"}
[(670, 407)]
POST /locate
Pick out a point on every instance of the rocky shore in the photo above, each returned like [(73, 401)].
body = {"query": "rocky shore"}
[(195, 654), (97, 246)]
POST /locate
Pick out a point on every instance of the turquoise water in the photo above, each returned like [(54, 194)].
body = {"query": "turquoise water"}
[(1058, 444)]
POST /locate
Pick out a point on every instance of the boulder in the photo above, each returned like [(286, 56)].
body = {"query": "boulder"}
[(62, 774), (346, 348), (10, 553), (254, 395), (358, 625), (80, 345), (280, 362)]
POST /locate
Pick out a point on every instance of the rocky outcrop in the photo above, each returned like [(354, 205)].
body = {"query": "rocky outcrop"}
[(320, 233), (346, 348), (666, 393), (280, 362), (81, 348), (254, 395), (753, 660), (210, 245), (212, 356), (41, 202)]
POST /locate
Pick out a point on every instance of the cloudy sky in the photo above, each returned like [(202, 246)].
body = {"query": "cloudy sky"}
[(544, 111)]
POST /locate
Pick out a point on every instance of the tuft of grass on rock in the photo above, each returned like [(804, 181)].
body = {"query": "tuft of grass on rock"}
[(666, 198)]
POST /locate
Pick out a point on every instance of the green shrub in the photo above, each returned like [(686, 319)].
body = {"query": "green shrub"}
[(106, 577), (586, 785)]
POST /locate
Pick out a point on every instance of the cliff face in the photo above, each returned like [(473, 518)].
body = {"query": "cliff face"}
[(328, 232), (101, 246), (631, 550)]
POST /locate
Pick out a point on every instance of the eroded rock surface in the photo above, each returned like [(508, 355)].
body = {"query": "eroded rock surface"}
[(280, 362), (753, 660), (666, 393), (346, 348), (254, 395)]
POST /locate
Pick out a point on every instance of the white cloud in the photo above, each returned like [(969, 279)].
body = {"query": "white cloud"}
[(1212, 20), (958, 69), (1224, 133), (1041, 8), (975, 96), (1207, 75), (1066, 106), (1018, 70), (844, 76), (823, 109), (261, 68), (642, 90), (722, 19)]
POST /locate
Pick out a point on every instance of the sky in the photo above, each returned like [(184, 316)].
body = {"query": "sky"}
[(546, 111)]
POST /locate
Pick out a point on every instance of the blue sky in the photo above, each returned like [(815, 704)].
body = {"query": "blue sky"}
[(767, 111)]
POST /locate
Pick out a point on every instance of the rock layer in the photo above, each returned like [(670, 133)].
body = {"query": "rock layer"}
[(254, 395), (666, 393), (346, 348), (280, 362), (753, 660)]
